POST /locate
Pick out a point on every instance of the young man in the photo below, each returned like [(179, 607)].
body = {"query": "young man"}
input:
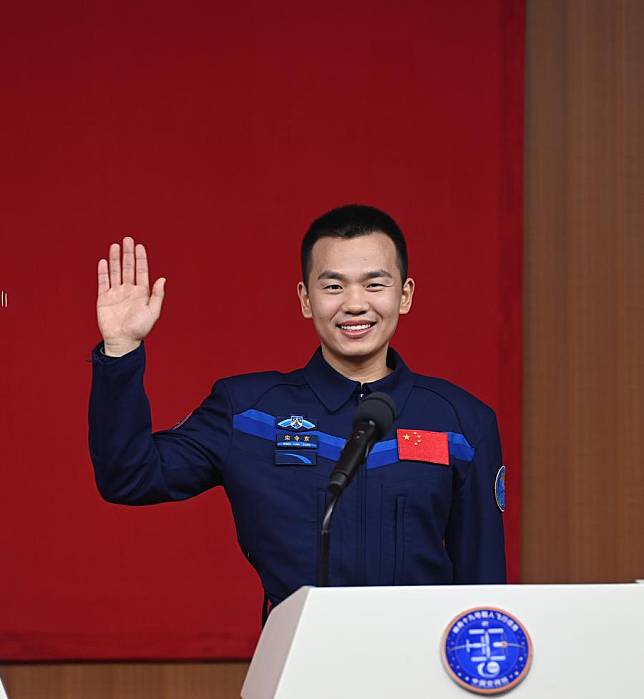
[(426, 506)]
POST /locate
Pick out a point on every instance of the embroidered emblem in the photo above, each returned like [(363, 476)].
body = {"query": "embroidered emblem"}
[(295, 422), (499, 488)]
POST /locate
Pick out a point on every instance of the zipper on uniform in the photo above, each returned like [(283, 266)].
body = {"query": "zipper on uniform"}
[(362, 504)]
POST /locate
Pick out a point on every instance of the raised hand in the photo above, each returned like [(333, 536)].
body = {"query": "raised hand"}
[(125, 309)]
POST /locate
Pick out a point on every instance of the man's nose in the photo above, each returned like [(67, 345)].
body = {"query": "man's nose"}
[(355, 300)]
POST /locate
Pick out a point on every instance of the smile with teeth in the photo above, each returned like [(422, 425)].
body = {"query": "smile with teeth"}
[(354, 327)]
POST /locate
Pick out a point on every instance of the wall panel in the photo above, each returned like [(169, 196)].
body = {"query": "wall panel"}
[(583, 475), (124, 680)]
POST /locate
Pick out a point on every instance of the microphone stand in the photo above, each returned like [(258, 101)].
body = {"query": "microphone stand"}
[(323, 576)]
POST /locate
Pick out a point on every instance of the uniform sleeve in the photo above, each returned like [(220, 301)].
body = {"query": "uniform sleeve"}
[(474, 539), (133, 465)]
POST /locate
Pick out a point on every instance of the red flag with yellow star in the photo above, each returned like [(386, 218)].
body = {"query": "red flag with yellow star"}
[(423, 445)]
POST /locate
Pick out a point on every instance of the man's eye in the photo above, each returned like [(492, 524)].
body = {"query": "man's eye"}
[(332, 287), (376, 284)]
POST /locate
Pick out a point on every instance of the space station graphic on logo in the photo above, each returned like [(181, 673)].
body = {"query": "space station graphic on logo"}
[(486, 650)]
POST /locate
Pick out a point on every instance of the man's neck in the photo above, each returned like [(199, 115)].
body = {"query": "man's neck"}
[(362, 369)]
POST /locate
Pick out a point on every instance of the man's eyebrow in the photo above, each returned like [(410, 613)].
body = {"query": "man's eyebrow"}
[(377, 273), (372, 274), (330, 274)]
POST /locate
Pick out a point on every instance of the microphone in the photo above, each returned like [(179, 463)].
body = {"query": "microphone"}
[(372, 421)]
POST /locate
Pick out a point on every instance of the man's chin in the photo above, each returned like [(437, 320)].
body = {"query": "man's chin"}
[(355, 350)]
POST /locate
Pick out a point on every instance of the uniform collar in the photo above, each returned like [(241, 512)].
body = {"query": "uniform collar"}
[(333, 389)]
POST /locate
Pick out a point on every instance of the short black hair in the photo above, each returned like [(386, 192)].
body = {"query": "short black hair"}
[(350, 221)]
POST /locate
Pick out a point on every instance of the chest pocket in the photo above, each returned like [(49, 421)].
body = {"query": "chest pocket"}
[(412, 500), (399, 539)]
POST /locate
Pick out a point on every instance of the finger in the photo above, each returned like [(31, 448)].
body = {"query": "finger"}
[(156, 299), (142, 267), (115, 264), (103, 277), (128, 260)]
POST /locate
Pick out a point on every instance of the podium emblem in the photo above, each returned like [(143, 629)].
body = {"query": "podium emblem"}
[(486, 650)]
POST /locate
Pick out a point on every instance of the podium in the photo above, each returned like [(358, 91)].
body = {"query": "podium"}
[(385, 642)]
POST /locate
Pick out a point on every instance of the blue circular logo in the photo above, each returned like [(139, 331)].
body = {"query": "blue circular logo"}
[(499, 488), (487, 650)]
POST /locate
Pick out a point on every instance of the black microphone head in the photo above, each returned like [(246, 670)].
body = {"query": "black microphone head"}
[(380, 409)]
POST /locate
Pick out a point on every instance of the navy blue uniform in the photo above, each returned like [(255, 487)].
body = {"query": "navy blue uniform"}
[(272, 439)]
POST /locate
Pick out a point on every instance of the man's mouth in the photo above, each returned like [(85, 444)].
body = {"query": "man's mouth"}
[(356, 329)]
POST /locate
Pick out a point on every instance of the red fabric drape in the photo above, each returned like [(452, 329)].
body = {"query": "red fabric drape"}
[(214, 133)]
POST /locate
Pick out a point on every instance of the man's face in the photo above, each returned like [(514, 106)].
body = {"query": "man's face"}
[(354, 295)]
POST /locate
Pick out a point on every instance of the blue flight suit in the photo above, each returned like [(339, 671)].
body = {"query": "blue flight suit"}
[(400, 522)]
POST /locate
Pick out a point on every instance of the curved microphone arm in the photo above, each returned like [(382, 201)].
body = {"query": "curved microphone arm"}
[(323, 575)]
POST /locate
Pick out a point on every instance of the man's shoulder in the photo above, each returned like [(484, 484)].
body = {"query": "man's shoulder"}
[(247, 389), (475, 415)]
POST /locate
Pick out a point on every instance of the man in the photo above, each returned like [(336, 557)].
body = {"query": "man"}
[(424, 509)]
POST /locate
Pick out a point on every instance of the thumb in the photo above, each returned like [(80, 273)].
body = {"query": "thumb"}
[(158, 292)]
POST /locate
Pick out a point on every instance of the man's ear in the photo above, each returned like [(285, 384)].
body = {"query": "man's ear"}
[(305, 301), (407, 295)]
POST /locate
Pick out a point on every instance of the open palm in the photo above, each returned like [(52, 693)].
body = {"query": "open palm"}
[(125, 308)]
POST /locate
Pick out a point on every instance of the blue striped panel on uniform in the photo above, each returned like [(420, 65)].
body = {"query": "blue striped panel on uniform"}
[(290, 458), (260, 424), (459, 447)]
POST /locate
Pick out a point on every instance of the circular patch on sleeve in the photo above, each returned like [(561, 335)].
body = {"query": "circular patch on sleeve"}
[(182, 421), (486, 650), (499, 488)]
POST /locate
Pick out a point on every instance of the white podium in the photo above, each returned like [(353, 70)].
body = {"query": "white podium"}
[(385, 642)]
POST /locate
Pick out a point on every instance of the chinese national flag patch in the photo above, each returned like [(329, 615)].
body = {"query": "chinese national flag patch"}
[(422, 445)]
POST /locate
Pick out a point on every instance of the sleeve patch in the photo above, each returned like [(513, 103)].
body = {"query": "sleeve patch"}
[(182, 421), (499, 488)]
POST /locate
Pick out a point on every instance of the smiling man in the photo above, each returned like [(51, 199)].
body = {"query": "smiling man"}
[(424, 509), (356, 287)]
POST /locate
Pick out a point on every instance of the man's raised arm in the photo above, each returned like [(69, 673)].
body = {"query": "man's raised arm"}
[(132, 465)]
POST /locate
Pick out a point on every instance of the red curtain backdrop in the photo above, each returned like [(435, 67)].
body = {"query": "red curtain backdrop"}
[(214, 133)]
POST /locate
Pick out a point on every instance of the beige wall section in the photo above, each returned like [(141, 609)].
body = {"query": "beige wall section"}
[(583, 456), (124, 680)]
